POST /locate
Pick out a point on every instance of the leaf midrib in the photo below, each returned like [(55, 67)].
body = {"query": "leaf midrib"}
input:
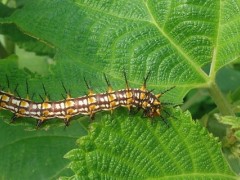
[(177, 47), (215, 50)]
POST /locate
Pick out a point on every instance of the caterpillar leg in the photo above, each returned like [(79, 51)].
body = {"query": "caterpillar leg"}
[(134, 111), (92, 117), (164, 120), (13, 118), (39, 123), (67, 122)]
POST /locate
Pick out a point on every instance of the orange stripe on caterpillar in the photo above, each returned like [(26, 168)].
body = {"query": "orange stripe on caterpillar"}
[(65, 109)]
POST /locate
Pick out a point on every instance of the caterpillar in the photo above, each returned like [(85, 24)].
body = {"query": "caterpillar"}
[(138, 98)]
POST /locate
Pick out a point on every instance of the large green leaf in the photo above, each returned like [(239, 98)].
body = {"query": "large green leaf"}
[(35, 154), (183, 36), (175, 40), (133, 148), (135, 35)]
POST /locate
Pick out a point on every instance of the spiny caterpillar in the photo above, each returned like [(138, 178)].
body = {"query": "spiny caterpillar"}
[(138, 98)]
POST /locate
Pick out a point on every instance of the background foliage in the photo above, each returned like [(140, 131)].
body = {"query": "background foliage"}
[(191, 44)]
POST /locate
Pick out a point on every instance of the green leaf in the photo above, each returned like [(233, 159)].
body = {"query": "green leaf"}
[(185, 32), (233, 121), (25, 41), (134, 148), (35, 154), (125, 35), (227, 43)]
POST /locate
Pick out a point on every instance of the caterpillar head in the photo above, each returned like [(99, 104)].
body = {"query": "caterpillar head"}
[(153, 111), (152, 106), (155, 108)]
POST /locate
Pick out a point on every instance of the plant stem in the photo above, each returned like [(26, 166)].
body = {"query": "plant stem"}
[(196, 98), (221, 102), (9, 44)]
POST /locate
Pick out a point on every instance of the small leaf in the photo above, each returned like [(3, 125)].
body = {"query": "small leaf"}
[(135, 148), (229, 120)]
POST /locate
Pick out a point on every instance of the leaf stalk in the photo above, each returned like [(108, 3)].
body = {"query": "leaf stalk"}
[(220, 100)]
